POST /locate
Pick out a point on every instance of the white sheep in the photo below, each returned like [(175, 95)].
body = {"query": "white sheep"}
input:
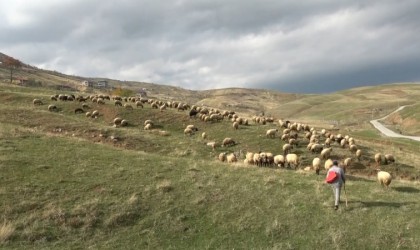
[(235, 125), (117, 121), (271, 133), (222, 157), (359, 154), (95, 114), (52, 107), (37, 102), (148, 122), (378, 159), (249, 158), (286, 148), (316, 148), (347, 163), (192, 127), (124, 123), (228, 142), (353, 148), (316, 164), (325, 153), (257, 159), (188, 131), (231, 158), (148, 126), (292, 159), (279, 160), (389, 158), (128, 106), (204, 135), (328, 164), (384, 178)]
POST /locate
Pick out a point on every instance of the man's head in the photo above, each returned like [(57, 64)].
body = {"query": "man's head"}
[(335, 163)]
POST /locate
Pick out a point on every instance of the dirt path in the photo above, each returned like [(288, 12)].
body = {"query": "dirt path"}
[(388, 132)]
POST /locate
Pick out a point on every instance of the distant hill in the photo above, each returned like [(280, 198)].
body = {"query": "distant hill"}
[(343, 107)]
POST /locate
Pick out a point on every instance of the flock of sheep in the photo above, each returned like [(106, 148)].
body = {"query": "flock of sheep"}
[(319, 142)]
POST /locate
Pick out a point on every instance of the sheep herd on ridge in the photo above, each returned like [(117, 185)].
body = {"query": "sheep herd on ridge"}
[(319, 143)]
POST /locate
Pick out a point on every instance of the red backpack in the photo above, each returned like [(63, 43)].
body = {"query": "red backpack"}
[(332, 177)]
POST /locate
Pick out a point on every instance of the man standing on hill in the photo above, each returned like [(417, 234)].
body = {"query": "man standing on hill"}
[(336, 177)]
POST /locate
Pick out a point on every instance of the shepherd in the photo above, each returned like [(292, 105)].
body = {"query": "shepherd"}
[(335, 177)]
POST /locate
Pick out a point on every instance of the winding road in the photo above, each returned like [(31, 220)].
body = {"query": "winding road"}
[(388, 132)]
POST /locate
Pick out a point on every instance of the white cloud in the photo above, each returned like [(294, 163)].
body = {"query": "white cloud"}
[(204, 44)]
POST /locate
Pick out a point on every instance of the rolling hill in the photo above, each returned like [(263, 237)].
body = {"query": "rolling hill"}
[(72, 181)]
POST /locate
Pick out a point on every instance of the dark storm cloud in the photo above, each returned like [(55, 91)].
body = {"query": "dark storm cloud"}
[(316, 46)]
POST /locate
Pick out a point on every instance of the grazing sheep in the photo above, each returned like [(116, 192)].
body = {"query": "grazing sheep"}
[(286, 148), (95, 114), (292, 159), (52, 107), (378, 159), (37, 102), (222, 157), (53, 98), (279, 160), (192, 127), (148, 126), (257, 159), (316, 164), (124, 123), (88, 114), (268, 159), (328, 142), (79, 111), (204, 135), (188, 131), (85, 106), (139, 104), (389, 158), (117, 121), (293, 142), (325, 153), (384, 178), (249, 158), (358, 154), (353, 148), (271, 133), (347, 163), (328, 164), (117, 103), (127, 106), (316, 148), (193, 112), (231, 158), (148, 122), (235, 125), (228, 142)]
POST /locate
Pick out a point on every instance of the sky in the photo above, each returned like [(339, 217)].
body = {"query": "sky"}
[(314, 46)]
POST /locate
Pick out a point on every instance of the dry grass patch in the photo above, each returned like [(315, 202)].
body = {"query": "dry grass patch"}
[(6, 231), (165, 186)]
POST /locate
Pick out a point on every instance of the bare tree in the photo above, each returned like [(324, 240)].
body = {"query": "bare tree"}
[(12, 64)]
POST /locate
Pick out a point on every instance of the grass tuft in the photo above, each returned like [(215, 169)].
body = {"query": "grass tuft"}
[(6, 231)]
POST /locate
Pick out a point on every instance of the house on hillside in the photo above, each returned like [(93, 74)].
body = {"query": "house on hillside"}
[(87, 83), (21, 81), (142, 92), (102, 84)]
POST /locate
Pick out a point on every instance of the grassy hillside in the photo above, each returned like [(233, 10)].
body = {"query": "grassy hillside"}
[(69, 181)]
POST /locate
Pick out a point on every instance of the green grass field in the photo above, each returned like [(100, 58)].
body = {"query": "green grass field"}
[(65, 184)]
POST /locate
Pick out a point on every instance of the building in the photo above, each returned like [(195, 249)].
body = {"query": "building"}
[(102, 84), (87, 83)]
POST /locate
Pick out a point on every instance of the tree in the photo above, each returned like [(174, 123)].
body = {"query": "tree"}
[(12, 64)]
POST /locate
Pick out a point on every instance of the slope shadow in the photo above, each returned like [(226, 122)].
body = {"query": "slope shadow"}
[(385, 204), (406, 189)]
